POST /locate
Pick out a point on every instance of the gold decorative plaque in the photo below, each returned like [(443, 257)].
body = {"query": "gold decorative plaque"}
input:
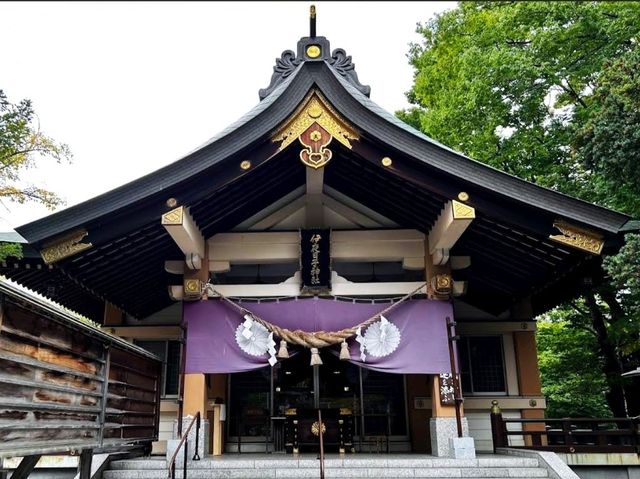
[(65, 246), (315, 123), (576, 237), (173, 217), (462, 211)]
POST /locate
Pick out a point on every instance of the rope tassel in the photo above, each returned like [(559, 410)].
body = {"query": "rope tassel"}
[(315, 357), (345, 355), (283, 352)]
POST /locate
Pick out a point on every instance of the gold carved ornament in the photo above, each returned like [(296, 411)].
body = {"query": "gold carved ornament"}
[(576, 237), (315, 141), (315, 115), (65, 246), (315, 428)]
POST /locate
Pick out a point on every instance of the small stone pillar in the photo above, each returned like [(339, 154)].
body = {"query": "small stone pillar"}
[(444, 429)]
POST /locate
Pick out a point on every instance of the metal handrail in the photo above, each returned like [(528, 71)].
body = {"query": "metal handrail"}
[(183, 440), (320, 438)]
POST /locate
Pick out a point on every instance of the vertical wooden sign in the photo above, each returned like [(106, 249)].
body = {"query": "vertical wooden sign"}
[(315, 260)]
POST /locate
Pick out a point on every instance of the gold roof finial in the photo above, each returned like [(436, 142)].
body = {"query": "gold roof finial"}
[(312, 21)]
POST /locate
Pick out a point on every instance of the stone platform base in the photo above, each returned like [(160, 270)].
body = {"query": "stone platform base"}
[(442, 429)]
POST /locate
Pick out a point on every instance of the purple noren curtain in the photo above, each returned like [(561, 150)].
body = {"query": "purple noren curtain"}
[(212, 348)]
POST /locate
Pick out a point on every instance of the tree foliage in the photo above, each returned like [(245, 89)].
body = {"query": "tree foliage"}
[(549, 92), (22, 146), (609, 142), (570, 368)]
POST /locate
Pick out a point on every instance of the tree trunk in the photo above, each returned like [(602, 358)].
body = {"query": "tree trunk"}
[(612, 366), (631, 386)]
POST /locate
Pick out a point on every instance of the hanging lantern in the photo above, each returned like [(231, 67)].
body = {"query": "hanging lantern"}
[(283, 352), (345, 355), (315, 357)]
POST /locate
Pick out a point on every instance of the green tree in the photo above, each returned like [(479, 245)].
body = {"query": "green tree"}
[(566, 356), (22, 145), (544, 91), (608, 145)]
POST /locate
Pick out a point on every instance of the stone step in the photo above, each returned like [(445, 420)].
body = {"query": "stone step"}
[(345, 472), (366, 462), (354, 467)]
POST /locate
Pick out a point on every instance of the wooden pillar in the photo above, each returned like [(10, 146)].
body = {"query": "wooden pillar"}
[(217, 392), (526, 352), (195, 394), (437, 408)]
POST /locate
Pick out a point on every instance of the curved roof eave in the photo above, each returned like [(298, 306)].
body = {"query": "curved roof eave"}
[(214, 150), (418, 145), (358, 109)]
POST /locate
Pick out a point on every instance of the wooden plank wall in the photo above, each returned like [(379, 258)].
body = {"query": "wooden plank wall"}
[(53, 395)]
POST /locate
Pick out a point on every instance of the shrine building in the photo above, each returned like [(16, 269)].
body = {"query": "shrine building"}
[(320, 254)]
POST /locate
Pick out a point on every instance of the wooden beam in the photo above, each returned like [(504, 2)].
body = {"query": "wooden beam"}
[(145, 332), (347, 245), (359, 207), (339, 287), (270, 215), (313, 209), (280, 215), (113, 316), (184, 231), (452, 222), (350, 213)]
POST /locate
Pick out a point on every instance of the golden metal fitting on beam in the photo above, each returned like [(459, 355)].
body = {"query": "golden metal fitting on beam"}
[(173, 217), (577, 237), (65, 246)]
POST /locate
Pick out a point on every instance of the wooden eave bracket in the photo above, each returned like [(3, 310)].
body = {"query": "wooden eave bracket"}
[(577, 237), (454, 219), (184, 231)]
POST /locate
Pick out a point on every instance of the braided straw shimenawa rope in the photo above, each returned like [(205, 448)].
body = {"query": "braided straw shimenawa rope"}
[(316, 339)]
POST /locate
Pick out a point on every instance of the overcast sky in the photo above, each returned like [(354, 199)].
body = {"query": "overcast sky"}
[(133, 86)]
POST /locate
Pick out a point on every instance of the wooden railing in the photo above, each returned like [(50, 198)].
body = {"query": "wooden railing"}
[(567, 435), (184, 442)]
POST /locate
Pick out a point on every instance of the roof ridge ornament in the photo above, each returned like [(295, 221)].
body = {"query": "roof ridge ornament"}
[(313, 49), (285, 66), (341, 62), (312, 21)]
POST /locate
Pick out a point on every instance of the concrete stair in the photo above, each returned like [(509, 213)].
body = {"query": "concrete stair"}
[(259, 466)]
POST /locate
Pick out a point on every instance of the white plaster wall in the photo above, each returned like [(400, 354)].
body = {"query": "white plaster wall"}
[(480, 429)]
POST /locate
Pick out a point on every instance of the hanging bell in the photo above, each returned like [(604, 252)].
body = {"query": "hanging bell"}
[(315, 357), (345, 355), (283, 352)]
